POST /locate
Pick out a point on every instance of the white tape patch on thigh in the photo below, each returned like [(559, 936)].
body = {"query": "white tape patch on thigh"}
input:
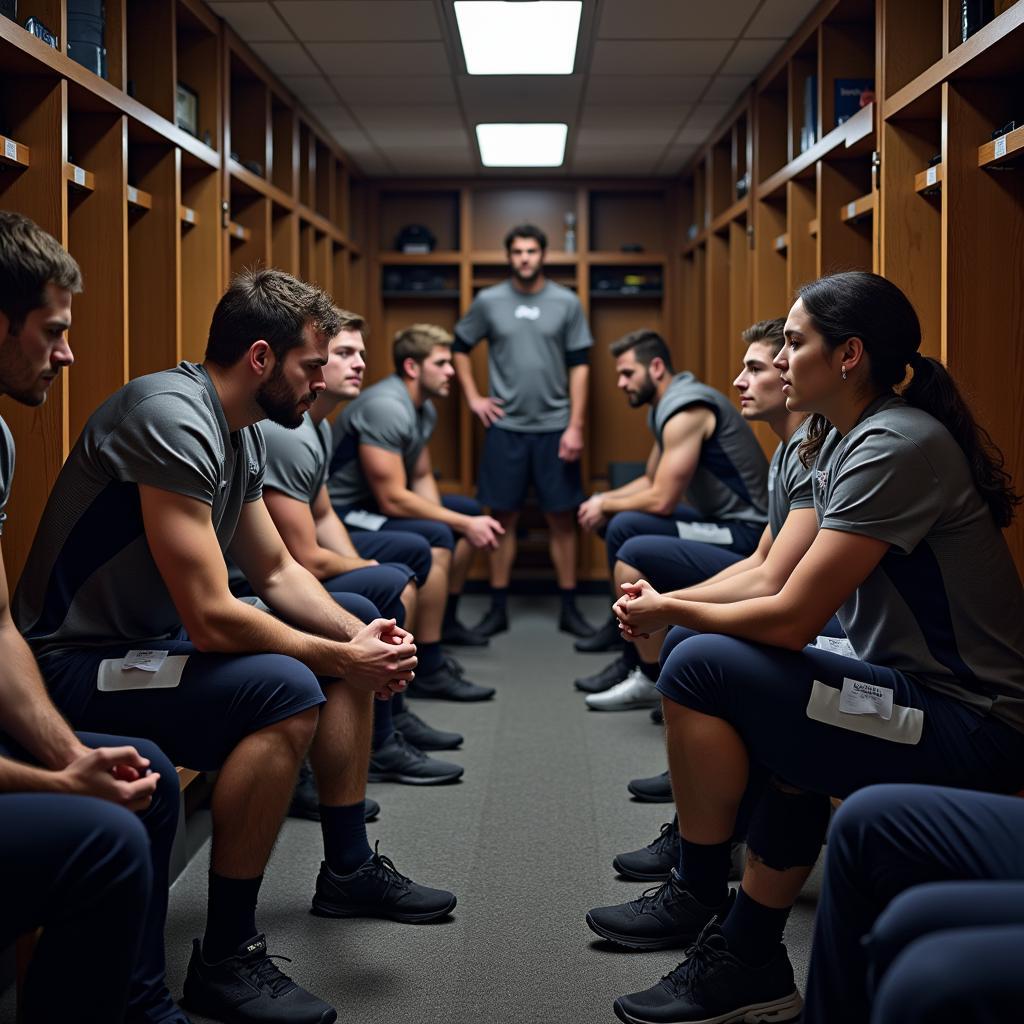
[(904, 726), (360, 519), (113, 676), (706, 533)]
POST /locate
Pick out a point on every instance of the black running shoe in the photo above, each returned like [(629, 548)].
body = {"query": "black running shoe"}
[(606, 638), (248, 988), (609, 676), (445, 685), (377, 889), (665, 917), (455, 634), (453, 664), (655, 790), (712, 985), (571, 620), (495, 621), (397, 760), (657, 716), (306, 800), (424, 736), (654, 863)]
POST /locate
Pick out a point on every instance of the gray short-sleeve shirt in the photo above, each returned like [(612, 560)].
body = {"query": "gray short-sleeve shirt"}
[(6, 470), (789, 481), (945, 604), (532, 339), (297, 459), (731, 479), (383, 416), (90, 578)]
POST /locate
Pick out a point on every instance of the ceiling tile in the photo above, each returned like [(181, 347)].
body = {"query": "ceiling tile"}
[(676, 159), (658, 57), (334, 116), (672, 19), (411, 90), (427, 138), (727, 88), (361, 20), (630, 116), (645, 90), (707, 115), (503, 98), (625, 137), (779, 19), (614, 161), (253, 21), (399, 59), (692, 136), (285, 58), (751, 56), (352, 140), (426, 117), (311, 89)]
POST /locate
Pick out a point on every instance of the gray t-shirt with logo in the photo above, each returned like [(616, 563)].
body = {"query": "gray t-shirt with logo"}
[(6, 470), (383, 416), (532, 340), (945, 604), (789, 481), (731, 479), (90, 579)]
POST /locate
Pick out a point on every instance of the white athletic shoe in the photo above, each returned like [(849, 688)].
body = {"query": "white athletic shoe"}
[(635, 691)]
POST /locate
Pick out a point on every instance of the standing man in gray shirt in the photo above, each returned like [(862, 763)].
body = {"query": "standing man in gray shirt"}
[(538, 351)]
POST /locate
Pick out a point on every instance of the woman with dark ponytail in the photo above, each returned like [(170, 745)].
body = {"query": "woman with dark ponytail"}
[(911, 497)]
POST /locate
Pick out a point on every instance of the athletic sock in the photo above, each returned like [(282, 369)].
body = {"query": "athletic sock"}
[(345, 844), (397, 704), (230, 915), (451, 610), (705, 870), (753, 930), (383, 726), (651, 669), (430, 657), (499, 599), (568, 595)]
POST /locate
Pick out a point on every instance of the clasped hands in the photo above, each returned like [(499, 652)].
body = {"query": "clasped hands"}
[(641, 610)]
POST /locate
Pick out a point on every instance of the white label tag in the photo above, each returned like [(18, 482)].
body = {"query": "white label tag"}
[(79, 176), (836, 645), (706, 533), (188, 215), (363, 520), (931, 175), (860, 698), (112, 677), (10, 149), (1001, 146), (851, 209), (148, 661), (133, 194)]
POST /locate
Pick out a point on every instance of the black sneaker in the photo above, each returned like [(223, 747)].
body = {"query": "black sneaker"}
[(654, 863), (712, 985), (455, 634), (398, 760), (378, 890), (443, 684), (655, 790), (248, 988), (495, 621), (571, 621), (453, 664), (609, 676), (606, 638), (424, 736), (306, 800), (665, 917), (657, 716)]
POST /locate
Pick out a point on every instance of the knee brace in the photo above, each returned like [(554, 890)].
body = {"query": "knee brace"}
[(787, 829)]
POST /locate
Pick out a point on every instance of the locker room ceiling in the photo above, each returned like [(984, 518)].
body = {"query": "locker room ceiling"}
[(388, 79)]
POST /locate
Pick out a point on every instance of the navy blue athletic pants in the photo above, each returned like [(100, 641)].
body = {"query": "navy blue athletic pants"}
[(437, 534), (657, 542), (94, 876), (921, 916)]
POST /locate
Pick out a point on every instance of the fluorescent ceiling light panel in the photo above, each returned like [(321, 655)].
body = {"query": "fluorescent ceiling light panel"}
[(524, 37), (522, 145)]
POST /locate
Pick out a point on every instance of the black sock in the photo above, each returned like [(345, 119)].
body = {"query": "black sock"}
[(345, 844), (568, 595), (230, 915), (397, 704), (499, 599), (651, 669), (451, 609), (753, 930), (430, 658), (383, 725), (705, 870)]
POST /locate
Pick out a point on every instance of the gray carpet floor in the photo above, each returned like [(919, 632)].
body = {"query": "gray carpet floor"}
[(525, 840)]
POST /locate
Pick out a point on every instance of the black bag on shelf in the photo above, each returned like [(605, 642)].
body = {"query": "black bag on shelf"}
[(415, 238), (86, 26)]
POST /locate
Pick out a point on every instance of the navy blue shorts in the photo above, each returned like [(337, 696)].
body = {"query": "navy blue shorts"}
[(221, 698), (396, 547), (512, 460), (669, 564), (625, 525), (436, 534), (785, 706)]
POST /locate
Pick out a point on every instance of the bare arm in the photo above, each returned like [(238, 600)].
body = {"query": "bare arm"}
[(330, 530), (423, 482), (834, 566), (487, 409), (570, 445)]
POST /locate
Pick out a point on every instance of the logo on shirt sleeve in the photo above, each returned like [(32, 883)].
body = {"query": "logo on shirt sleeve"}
[(822, 475), (527, 312)]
